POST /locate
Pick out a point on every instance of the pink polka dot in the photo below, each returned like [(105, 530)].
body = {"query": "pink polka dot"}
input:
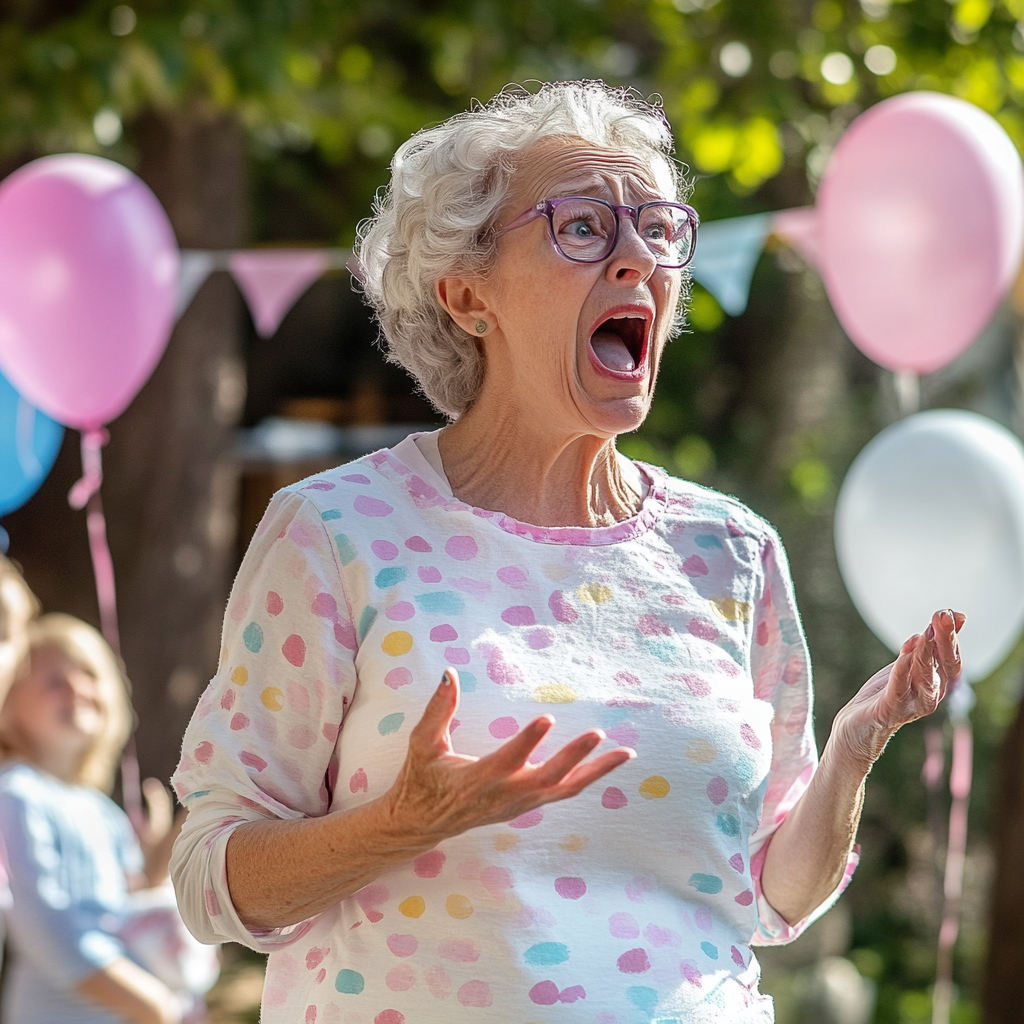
[(400, 978), (737, 957), (384, 550), (275, 603), (239, 722), (355, 478), (528, 820), (429, 574), (659, 937), (544, 993), (251, 760), (623, 926), (456, 655), (570, 888), (345, 634), (315, 957), (703, 919), (513, 576), (761, 634), (497, 881), (298, 696), (227, 702), (624, 734), (519, 615), (736, 862), (695, 566), (718, 790), (443, 633), (562, 610), (501, 671), (310, 1015), (688, 969), (634, 961), (697, 685), (462, 549), (429, 865), (745, 898), (541, 637), (613, 798), (359, 783), (460, 951), (294, 650), (750, 737), (703, 629), (301, 737), (502, 728), (572, 993), (418, 544), (389, 1017), (398, 677), (367, 506), (403, 945), (475, 993), (204, 752), (401, 612), (637, 888)]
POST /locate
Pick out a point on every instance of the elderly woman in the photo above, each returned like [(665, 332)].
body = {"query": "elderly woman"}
[(378, 795)]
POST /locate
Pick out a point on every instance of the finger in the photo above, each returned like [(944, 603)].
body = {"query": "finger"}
[(898, 683), (158, 805), (432, 730), (947, 646), (512, 755), (589, 772), (556, 767), (923, 684)]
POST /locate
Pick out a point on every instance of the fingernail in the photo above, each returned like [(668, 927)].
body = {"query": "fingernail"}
[(446, 678), (929, 633)]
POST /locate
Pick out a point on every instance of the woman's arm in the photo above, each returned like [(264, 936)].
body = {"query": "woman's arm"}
[(808, 853), (131, 993), (282, 872)]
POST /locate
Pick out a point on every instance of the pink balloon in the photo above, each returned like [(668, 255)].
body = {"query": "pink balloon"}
[(921, 228), (88, 273)]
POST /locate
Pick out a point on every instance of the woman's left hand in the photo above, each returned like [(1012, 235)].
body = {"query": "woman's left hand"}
[(910, 688)]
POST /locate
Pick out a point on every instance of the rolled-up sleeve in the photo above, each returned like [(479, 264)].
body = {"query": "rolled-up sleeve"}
[(260, 745), (781, 669)]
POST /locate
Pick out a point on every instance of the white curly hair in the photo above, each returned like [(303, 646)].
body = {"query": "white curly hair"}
[(449, 183)]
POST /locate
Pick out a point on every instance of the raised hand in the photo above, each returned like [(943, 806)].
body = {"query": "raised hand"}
[(910, 688), (443, 793)]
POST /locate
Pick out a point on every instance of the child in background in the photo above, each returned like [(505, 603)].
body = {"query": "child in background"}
[(76, 932)]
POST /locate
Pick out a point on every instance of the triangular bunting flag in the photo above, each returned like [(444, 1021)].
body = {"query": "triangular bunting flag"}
[(273, 279), (727, 252), (799, 228), (194, 267)]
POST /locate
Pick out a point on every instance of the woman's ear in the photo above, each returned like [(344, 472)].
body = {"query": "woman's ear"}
[(460, 297)]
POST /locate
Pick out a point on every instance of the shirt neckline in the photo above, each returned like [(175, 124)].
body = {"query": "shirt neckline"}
[(426, 494)]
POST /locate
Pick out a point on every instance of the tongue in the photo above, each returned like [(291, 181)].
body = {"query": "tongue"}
[(611, 350)]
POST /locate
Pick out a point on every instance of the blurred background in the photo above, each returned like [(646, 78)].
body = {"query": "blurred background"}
[(272, 122)]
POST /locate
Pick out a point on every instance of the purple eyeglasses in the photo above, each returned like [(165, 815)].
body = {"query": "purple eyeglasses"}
[(586, 230)]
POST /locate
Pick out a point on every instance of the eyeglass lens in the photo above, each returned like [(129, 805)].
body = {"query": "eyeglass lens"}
[(585, 230)]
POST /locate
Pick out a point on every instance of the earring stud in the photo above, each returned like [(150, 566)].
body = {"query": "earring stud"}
[(481, 327)]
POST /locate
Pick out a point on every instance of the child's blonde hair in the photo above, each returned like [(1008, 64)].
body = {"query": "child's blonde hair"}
[(87, 648)]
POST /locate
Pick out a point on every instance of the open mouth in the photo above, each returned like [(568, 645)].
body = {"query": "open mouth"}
[(619, 343)]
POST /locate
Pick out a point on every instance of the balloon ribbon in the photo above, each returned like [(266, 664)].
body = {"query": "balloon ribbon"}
[(86, 494), (956, 852)]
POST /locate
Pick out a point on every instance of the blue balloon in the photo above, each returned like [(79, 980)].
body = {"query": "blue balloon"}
[(29, 442)]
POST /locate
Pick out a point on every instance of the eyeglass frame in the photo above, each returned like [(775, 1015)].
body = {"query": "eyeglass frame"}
[(546, 208)]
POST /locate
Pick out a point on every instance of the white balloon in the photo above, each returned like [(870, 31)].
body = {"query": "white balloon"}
[(930, 516)]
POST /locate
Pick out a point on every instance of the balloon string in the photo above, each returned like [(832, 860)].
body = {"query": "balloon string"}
[(956, 853), (86, 493)]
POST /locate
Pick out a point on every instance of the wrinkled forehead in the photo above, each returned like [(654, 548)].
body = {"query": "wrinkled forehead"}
[(564, 166)]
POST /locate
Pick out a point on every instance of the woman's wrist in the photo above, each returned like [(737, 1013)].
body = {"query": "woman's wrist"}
[(854, 748)]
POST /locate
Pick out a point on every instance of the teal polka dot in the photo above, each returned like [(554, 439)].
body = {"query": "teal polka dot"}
[(467, 682), (789, 630), (745, 768), (709, 884), (545, 954), (366, 620), (253, 637), (709, 950), (642, 997), (707, 540), (390, 723), (346, 552), (390, 576), (663, 649), (442, 602), (351, 983), (728, 824), (331, 513)]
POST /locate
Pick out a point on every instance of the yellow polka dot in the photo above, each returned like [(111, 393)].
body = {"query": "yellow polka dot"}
[(457, 906), (272, 698), (701, 752), (594, 593), (655, 787), (396, 644), (554, 693), (574, 843), (240, 676), (504, 841), (730, 609), (223, 656), (412, 906)]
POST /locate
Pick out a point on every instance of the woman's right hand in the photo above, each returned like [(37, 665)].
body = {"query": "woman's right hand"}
[(443, 793)]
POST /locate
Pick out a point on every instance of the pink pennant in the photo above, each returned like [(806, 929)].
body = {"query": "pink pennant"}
[(273, 279), (799, 229)]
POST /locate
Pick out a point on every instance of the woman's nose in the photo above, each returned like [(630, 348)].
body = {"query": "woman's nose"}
[(631, 259)]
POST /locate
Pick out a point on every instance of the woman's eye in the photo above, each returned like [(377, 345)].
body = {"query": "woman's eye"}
[(580, 227)]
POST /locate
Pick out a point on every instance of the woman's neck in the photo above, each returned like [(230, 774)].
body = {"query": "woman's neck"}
[(534, 473)]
